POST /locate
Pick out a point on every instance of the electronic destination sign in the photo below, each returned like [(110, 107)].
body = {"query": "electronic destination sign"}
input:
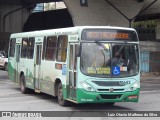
[(109, 34)]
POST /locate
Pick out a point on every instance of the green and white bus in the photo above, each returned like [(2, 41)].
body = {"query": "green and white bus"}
[(78, 64)]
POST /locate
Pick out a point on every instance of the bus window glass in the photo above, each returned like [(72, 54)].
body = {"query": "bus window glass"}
[(38, 54), (93, 59), (120, 60), (71, 57), (24, 48), (17, 53), (51, 48), (125, 56), (30, 48), (44, 47), (76, 55), (62, 48), (12, 47)]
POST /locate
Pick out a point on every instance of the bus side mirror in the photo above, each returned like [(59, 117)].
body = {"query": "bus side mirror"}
[(77, 49)]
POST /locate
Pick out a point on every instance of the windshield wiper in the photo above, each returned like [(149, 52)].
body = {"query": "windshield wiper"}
[(120, 49), (100, 44)]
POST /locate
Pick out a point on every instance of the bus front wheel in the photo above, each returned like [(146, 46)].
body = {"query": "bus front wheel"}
[(61, 101), (23, 84)]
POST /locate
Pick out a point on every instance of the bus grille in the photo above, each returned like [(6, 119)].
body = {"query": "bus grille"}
[(107, 90), (108, 83), (110, 96)]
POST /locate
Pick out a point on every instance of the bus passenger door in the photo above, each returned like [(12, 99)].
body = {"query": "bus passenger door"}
[(37, 66), (17, 62), (72, 72)]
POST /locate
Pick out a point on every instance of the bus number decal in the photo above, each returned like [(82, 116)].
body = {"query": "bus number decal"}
[(124, 82)]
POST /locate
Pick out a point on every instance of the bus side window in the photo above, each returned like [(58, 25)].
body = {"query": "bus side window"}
[(24, 48), (30, 48), (51, 48), (71, 64), (12, 47), (62, 48), (44, 48)]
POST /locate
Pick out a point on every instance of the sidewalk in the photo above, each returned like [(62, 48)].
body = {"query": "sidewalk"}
[(153, 76)]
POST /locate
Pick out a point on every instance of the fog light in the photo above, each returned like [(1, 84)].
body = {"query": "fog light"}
[(131, 88)]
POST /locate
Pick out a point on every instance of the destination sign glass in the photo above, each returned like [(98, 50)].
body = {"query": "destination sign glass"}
[(108, 34)]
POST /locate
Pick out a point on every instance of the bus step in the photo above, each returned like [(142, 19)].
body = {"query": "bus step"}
[(72, 101), (37, 91)]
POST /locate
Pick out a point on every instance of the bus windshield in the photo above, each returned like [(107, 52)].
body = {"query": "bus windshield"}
[(109, 59)]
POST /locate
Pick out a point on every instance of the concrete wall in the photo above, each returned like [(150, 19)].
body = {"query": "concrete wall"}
[(149, 46), (14, 21), (4, 41), (155, 8), (99, 12)]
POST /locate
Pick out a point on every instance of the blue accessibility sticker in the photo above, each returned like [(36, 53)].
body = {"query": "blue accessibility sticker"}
[(116, 70)]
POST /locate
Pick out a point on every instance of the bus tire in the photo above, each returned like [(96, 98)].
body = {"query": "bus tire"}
[(61, 101), (23, 88)]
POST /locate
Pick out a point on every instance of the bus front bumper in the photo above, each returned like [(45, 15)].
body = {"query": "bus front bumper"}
[(103, 97)]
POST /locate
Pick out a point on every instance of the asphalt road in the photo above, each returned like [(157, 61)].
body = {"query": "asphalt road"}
[(11, 99)]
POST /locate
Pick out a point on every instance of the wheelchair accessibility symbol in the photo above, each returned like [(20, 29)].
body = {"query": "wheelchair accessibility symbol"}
[(116, 70)]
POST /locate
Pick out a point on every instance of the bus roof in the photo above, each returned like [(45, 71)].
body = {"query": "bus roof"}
[(63, 31)]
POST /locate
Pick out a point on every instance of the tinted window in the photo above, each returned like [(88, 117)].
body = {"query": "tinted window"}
[(24, 47), (30, 48), (62, 48), (51, 44), (12, 47)]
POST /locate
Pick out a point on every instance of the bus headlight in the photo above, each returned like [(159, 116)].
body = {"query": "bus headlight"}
[(134, 87), (86, 86)]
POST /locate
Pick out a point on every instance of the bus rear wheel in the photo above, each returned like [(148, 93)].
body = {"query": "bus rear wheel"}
[(24, 90), (61, 101)]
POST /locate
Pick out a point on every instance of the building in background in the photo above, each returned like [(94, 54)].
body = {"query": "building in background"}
[(54, 6), (39, 7), (148, 29)]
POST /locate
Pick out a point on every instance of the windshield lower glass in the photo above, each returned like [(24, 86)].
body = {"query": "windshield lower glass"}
[(109, 59)]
